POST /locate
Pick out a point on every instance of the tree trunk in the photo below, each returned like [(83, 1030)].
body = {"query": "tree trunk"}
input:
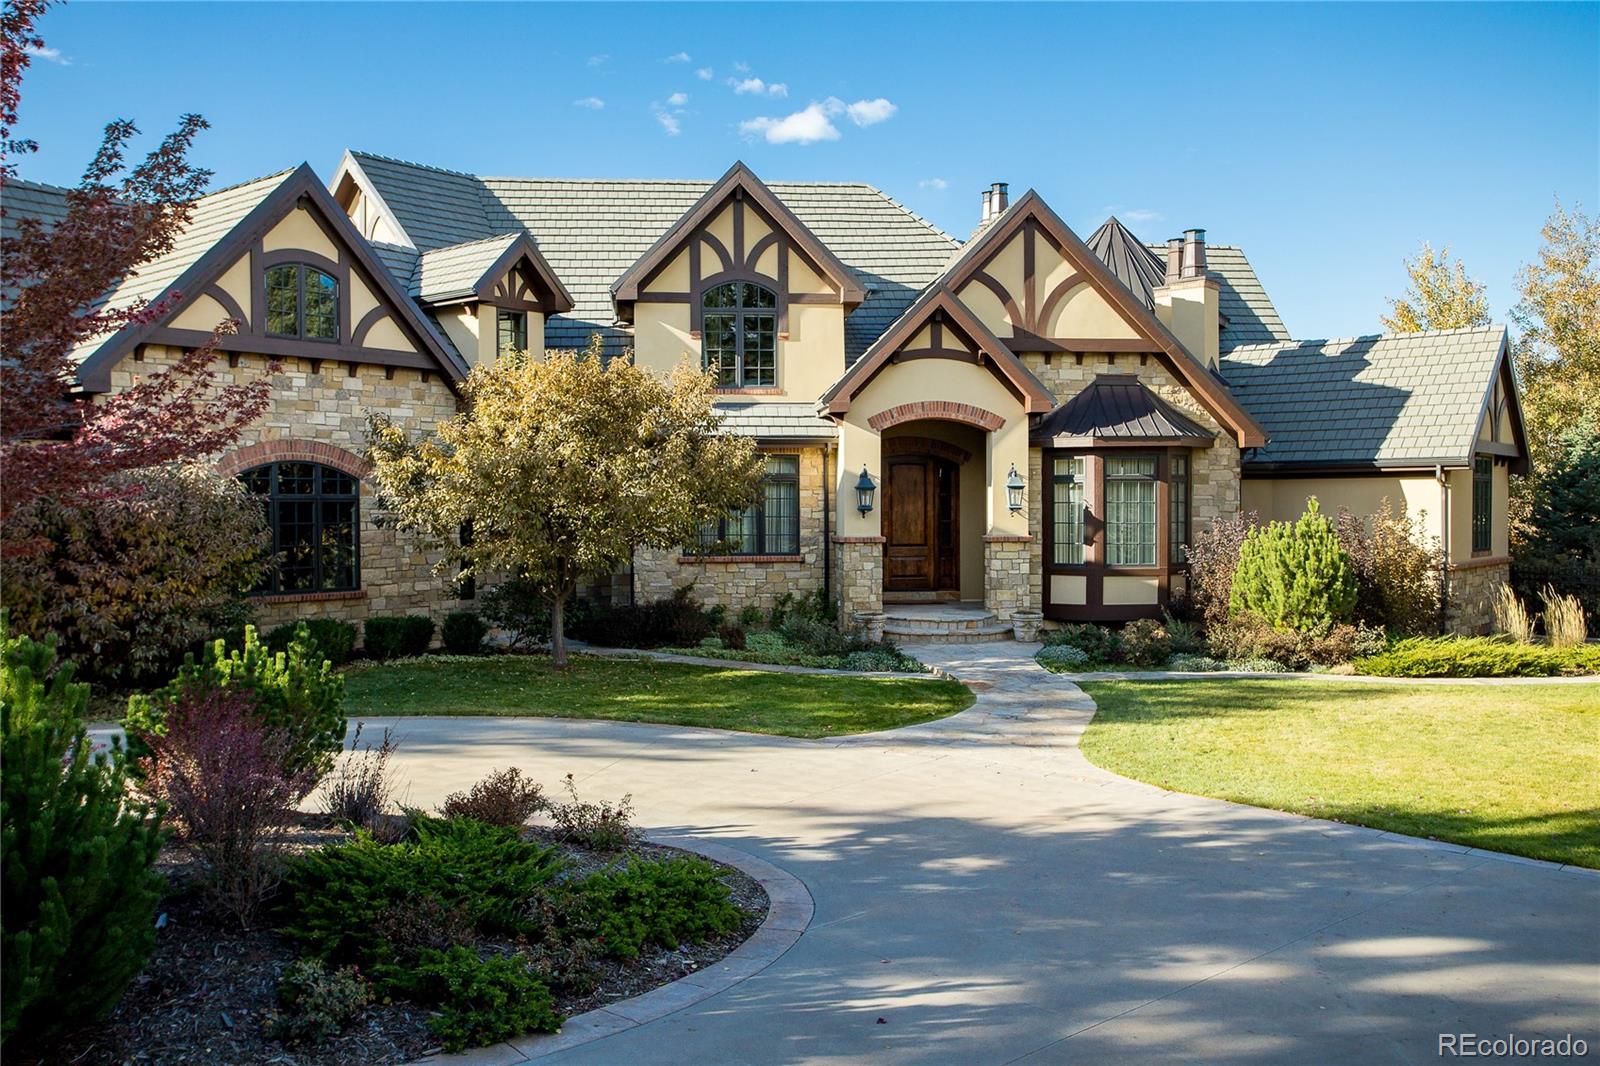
[(558, 630)]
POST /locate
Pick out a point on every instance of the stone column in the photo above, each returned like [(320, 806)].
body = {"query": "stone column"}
[(1006, 578), (859, 576), (1473, 590)]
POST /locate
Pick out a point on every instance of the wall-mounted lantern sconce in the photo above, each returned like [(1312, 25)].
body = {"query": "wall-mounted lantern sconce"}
[(864, 490), (1014, 489)]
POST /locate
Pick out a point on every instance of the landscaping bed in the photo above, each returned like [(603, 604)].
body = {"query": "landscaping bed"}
[(648, 690), (775, 649), (210, 991), (1455, 763)]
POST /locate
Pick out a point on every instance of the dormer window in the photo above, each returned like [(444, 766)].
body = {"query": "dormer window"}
[(739, 327), (511, 331), (302, 301)]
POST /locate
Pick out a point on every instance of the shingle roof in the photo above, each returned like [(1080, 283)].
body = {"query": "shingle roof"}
[(453, 271), (776, 421), (591, 231), (1117, 407), (1136, 266), (1402, 399), (213, 216), (30, 199)]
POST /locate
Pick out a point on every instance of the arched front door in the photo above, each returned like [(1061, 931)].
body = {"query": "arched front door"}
[(920, 524)]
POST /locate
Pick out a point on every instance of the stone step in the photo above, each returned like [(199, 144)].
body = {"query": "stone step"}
[(981, 634), (937, 625)]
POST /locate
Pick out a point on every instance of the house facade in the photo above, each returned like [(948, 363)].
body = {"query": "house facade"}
[(1020, 421)]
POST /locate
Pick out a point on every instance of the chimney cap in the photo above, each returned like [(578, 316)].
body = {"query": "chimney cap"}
[(1194, 234)]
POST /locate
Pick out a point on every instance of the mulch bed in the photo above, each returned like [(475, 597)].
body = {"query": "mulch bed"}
[(208, 990)]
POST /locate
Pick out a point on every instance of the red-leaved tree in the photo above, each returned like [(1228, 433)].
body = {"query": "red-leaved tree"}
[(53, 279)]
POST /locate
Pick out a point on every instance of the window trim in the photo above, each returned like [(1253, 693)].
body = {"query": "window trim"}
[(501, 315), (274, 578), (1482, 478), (1177, 555), (1085, 522), (1154, 480), (740, 312), (719, 547), (301, 267)]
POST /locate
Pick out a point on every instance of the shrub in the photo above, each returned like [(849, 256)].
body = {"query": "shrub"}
[(1102, 645), (651, 902), (1564, 623), (330, 638), (390, 636), (519, 610), (318, 1003), (1295, 576), (1194, 664), (1511, 617), (1062, 658), (1396, 565), (1213, 558), (297, 697), (732, 637), (336, 896), (132, 580), (751, 617), (1186, 636), (1259, 666), (463, 633), (678, 622), (360, 789), (601, 826), (1145, 642), (483, 1001), (1249, 637), (505, 797), (1560, 542), (221, 772), (1478, 657), (877, 661), (78, 901)]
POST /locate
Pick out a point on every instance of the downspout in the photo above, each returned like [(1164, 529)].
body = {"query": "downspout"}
[(827, 522), (1444, 541)]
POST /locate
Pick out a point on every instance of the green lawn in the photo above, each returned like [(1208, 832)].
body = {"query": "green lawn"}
[(643, 690), (1514, 769)]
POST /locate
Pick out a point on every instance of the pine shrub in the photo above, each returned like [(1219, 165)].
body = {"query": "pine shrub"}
[(330, 638), (483, 1001), (664, 902), (79, 896), (1294, 576)]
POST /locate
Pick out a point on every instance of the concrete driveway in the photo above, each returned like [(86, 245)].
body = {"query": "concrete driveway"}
[(984, 895)]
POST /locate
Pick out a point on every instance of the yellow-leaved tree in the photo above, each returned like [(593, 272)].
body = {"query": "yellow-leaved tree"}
[(562, 466), (1441, 296)]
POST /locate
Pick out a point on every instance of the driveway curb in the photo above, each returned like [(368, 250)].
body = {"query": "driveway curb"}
[(789, 911)]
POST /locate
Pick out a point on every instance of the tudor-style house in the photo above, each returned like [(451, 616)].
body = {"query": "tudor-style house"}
[(1020, 421)]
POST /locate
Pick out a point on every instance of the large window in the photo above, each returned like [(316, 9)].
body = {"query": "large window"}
[(1482, 504), (302, 301), (1131, 511), (314, 512), (739, 327), (772, 526), (1179, 497), (1066, 500), (512, 327)]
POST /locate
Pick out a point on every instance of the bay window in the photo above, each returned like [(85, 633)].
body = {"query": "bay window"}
[(1178, 495), (1130, 492), (1066, 501)]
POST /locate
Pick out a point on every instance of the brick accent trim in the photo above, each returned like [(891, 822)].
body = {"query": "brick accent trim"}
[(310, 597), (752, 390), (1008, 538), (1479, 564), (291, 450), (943, 410), (693, 560), (860, 540)]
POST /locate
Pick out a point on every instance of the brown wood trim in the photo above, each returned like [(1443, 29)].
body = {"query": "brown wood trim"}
[(711, 241), (1056, 295), (293, 348), (691, 560), (812, 297), (1108, 345), (1005, 298), (664, 298), (229, 304), (760, 248), (960, 355), (925, 446), (358, 336)]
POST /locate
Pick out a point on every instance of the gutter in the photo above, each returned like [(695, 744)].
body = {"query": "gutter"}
[(827, 529)]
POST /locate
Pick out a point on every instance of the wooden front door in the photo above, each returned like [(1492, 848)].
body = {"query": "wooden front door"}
[(919, 525)]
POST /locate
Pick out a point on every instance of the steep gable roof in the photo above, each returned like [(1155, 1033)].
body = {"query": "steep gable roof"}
[(1395, 400), (1208, 389), (469, 271), (220, 231)]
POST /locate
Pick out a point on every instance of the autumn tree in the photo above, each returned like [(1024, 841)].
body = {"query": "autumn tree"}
[(53, 278), (1441, 296), (562, 467)]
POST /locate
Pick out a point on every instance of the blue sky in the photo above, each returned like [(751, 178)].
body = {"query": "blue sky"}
[(1328, 141)]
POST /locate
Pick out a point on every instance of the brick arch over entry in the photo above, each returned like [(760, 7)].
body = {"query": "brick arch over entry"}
[(292, 451), (944, 410)]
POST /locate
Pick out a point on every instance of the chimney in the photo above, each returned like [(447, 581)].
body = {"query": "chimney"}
[(1194, 253), (1174, 259), (998, 199), (988, 208)]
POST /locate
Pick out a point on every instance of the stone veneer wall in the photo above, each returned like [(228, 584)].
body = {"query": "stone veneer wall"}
[(740, 581), (1473, 589), (858, 576), (1007, 569), (331, 407), (1214, 471)]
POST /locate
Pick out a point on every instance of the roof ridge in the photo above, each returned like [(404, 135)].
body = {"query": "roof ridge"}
[(952, 238), (39, 184), (242, 184), (411, 163), (1419, 334), (513, 234)]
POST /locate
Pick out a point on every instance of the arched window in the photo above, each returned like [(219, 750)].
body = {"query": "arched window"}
[(315, 515), (739, 324), (302, 301)]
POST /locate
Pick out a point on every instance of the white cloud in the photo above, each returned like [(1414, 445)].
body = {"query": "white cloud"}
[(806, 126), (677, 57), (677, 99), (600, 60), (741, 67), (748, 85), (593, 103), (45, 52), (705, 73), (870, 112), (933, 183), (669, 121), (777, 88)]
